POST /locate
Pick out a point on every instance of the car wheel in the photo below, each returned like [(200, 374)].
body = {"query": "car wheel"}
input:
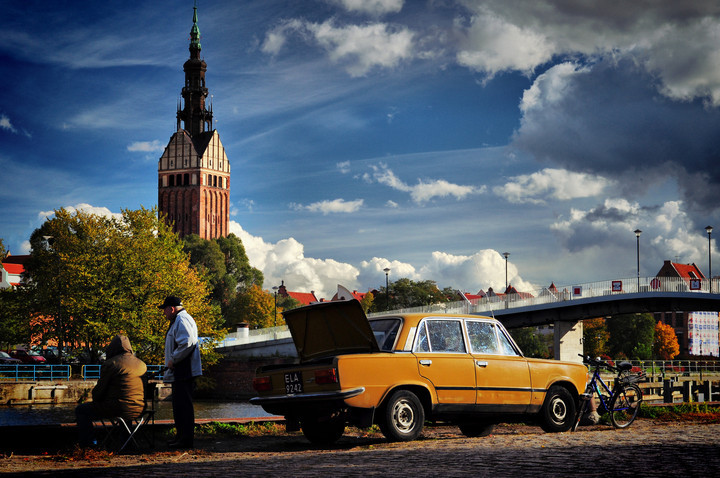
[(558, 412), (473, 430), (404, 417), (323, 432)]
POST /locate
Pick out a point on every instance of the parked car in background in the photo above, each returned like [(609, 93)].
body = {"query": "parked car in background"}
[(6, 359), (399, 370), (28, 357)]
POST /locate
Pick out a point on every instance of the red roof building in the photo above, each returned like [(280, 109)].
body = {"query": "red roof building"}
[(11, 271), (304, 298)]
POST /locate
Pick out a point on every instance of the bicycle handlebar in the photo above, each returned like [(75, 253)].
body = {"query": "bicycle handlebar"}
[(596, 362)]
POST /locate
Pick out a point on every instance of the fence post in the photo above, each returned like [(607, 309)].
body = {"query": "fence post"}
[(687, 391), (668, 391)]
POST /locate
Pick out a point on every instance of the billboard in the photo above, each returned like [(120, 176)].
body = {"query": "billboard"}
[(703, 333)]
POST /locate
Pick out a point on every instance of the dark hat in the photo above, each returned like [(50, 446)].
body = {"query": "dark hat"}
[(170, 301)]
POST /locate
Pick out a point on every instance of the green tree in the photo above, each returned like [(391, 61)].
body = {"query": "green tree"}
[(595, 337), (367, 302), (287, 303), (2, 251), (530, 342), (256, 308), (91, 277), (631, 336), (14, 317), (405, 293)]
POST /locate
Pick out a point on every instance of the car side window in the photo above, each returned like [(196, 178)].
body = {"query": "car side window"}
[(483, 339), (506, 347), (422, 340), (446, 336)]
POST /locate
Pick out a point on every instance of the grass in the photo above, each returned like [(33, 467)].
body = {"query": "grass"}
[(681, 412)]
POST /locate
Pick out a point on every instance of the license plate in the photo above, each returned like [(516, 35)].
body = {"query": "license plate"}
[(293, 382)]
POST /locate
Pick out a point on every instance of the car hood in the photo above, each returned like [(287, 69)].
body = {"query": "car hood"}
[(333, 328)]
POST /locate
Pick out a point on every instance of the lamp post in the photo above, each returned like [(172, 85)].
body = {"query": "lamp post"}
[(387, 289), (637, 235), (709, 231), (275, 289), (506, 254)]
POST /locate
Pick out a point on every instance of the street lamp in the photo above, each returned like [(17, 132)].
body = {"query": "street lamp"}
[(506, 254), (709, 231), (275, 289), (387, 289), (637, 235)]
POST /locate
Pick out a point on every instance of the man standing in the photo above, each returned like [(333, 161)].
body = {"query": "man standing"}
[(182, 359), (119, 391)]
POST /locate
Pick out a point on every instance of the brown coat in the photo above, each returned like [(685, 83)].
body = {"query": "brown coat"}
[(119, 391)]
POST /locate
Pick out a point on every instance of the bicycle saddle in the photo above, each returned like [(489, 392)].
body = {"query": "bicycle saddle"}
[(624, 366)]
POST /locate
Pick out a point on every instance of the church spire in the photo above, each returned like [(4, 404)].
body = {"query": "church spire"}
[(194, 116)]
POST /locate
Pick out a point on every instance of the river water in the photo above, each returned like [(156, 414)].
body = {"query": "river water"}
[(65, 413)]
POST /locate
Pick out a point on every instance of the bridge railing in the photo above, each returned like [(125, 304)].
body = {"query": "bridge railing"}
[(607, 288), (34, 372), (92, 371)]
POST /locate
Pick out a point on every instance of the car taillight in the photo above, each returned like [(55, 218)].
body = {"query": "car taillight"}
[(262, 384), (326, 376)]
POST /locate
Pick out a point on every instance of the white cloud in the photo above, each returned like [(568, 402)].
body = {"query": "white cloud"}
[(371, 7), (334, 206), (495, 45), (146, 146), (557, 184), (360, 48), (343, 166), (83, 207), (422, 191), (6, 124)]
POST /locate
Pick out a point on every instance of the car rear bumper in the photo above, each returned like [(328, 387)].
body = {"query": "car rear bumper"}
[(301, 398)]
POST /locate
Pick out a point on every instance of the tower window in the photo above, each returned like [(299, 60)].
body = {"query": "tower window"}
[(186, 179), (172, 181), (214, 181)]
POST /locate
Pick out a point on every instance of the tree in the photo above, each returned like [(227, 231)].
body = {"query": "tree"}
[(14, 317), (595, 337), (367, 302), (631, 336), (666, 345), (287, 303), (530, 342), (254, 307), (91, 277), (405, 293), (2, 251)]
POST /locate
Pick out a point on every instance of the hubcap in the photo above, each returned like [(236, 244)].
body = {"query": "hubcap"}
[(403, 416), (559, 410)]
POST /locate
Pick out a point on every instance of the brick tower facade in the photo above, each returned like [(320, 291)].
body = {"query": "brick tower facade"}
[(194, 171)]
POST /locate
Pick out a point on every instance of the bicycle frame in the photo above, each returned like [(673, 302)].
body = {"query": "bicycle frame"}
[(593, 385)]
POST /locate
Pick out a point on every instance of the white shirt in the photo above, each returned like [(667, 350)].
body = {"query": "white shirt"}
[(179, 341)]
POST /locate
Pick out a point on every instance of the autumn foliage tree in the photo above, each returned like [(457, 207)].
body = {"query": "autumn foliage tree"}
[(256, 308), (595, 337), (90, 277), (666, 345)]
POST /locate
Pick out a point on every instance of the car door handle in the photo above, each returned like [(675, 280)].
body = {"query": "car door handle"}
[(426, 362), (481, 363)]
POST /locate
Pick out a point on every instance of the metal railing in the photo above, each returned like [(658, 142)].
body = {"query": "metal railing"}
[(92, 372), (34, 372), (607, 288)]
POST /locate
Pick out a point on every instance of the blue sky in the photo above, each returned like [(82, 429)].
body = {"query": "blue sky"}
[(424, 136)]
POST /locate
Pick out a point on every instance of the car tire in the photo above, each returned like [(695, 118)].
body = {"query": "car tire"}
[(558, 412), (323, 432), (474, 430), (404, 417)]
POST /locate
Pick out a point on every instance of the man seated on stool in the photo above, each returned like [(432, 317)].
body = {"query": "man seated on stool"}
[(119, 391)]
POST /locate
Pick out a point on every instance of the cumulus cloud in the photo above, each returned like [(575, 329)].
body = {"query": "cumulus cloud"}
[(359, 48), (343, 166), (551, 183), (675, 41), (668, 233), (6, 124), (146, 146), (334, 206), (422, 191), (371, 7), (607, 119), (82, 207)]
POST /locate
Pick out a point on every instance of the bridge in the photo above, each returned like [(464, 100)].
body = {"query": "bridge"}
[(565, 307)]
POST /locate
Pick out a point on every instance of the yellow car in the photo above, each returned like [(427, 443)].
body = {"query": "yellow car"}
[(399, 370)]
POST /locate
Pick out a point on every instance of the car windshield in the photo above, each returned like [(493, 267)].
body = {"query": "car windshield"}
[(4, 355), (385, 331)]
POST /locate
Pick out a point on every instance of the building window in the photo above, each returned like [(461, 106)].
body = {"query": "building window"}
[(186, 179), (172, 181)]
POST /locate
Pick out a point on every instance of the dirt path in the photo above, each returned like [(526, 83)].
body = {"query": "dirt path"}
[(647, 448)]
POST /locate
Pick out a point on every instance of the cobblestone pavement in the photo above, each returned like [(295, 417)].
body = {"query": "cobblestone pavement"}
[(648, 448)]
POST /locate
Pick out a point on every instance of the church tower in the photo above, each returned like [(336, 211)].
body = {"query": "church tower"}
[(193, 171)]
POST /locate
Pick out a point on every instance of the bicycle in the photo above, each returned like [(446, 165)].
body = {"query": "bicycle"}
[(622, 401)]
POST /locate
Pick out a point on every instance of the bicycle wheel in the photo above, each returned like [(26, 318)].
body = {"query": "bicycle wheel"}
[(625, 406)]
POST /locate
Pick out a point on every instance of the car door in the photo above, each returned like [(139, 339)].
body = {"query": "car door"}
[(502, 375), (443, 359)]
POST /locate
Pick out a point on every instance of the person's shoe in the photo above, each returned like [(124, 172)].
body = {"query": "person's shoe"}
[(180, 445)]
